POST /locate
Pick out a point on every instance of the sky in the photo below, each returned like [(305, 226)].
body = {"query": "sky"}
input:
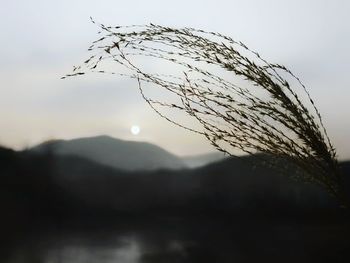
[(42, 40)]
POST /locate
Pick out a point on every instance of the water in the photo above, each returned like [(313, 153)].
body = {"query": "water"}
[(146, 240)]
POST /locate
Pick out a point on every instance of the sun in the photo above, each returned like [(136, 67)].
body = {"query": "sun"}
[(135, 129)]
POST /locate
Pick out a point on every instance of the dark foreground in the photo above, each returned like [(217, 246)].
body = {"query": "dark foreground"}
[(70, 210), (192, 239)]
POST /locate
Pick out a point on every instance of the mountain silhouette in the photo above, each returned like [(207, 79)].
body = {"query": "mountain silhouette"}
[(37, 181), (195, 161), (233, 201), (120, 154)]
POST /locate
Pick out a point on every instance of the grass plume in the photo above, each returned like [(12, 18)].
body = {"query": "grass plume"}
[(240, 101)]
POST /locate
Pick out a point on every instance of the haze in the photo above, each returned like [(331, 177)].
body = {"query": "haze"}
[(41, 40)]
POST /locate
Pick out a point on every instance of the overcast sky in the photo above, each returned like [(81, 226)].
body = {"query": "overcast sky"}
[(41, 40)]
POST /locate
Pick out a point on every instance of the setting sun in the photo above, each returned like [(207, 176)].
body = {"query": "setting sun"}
[(135, 129)]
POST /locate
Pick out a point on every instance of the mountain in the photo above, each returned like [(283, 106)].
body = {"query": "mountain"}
[(195, 161), (120, 154), (75, 201), (232, 185), (65, 184)]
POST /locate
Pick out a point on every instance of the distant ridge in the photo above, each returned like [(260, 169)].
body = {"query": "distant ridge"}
[(117, 153), (195, 161), (62, 184)]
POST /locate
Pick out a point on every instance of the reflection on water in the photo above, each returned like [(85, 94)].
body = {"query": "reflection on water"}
[(73, 253), (127, 251), (180, 240)]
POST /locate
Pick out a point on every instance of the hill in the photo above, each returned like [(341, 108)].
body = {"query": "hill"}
[(68, 184), (195, 161), (120, 154)]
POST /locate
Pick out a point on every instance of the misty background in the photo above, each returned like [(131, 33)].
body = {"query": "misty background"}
[(41, 40), (77, 184)]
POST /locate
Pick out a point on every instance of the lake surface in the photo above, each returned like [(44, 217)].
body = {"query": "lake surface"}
[(146, 240)]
